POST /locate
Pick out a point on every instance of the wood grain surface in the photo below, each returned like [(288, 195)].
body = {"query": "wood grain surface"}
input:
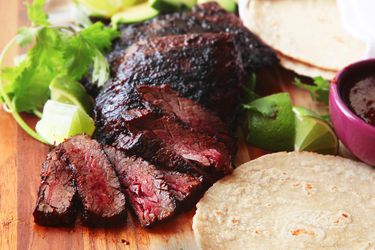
[(21, 158)]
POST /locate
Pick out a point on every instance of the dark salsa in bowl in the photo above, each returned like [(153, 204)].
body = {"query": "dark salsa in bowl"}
[(359, 95)]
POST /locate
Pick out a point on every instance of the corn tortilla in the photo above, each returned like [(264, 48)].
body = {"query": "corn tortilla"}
[(290, 201), (304, 69), (308, 31)]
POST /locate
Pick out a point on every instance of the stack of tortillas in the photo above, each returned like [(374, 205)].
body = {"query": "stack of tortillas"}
[(307, 34), (290, 201)]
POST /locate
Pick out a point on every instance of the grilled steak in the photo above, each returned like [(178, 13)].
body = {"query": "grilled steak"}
[(184, 187), (146, 190), (192, 114), (203, 67), (209, 154), (56, 195), (97, 184), (203, 18), (153, 192)]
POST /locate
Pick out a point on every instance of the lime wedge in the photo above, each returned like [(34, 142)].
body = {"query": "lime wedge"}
[(69, 91), (135, 14), (106, 8), (61, 121), (315, 135), (271, 123)]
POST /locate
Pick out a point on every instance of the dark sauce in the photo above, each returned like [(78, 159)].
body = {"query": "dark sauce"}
[(359, 95), (362, 99)]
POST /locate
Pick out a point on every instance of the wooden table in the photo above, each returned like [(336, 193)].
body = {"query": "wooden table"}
[(21, 158)]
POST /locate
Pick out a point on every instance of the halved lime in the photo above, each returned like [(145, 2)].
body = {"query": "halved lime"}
[(61, 121), (66, 90), (135, 14), (315, 135), (106, 8), (271, 123)]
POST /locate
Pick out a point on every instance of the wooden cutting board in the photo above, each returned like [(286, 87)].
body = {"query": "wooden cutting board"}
[(21, 158)]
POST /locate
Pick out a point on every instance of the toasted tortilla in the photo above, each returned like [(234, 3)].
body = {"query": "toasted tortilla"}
[(304, 69), (308, 31), (290, 201)]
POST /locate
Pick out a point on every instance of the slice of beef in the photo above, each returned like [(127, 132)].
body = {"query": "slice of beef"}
[(192, 114), (145, 187), (174, 142), (57, 191), (209, 17), (97, 183), (186, 188), (206, 68)]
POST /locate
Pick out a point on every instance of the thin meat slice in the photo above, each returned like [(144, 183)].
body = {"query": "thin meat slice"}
[(186, 188), (145, 187), (203, 151), (192, 114), (97, 183), (57, 190)]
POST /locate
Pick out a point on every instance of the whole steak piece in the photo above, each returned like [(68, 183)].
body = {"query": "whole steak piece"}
[(208, 17), (57, 192), (205, 68), (97, 183)]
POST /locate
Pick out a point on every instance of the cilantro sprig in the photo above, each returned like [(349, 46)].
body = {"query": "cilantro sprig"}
[(55, 51), (319, 90)]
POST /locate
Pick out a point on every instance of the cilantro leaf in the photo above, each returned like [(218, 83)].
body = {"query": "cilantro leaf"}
[(319, 91), (44, 61), (100, 73), (78, 56), (36, 14), (83, 51), (263, 106), (99, 36), (56, 52)]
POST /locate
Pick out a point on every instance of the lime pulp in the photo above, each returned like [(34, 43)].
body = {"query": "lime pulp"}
[(69, 91), (314, 134), (61, 121)]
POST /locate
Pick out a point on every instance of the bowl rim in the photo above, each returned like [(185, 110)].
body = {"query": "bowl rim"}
[(335, 85)]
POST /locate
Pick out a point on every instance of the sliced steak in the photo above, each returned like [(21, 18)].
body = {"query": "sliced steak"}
[(192, 114), (209, 17), (97, 183), (57, 190), (185, 188), (145, 187), (173, 142), (206, 68)]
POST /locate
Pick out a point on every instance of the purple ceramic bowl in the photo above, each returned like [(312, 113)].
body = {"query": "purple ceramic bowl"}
[(357, 135)]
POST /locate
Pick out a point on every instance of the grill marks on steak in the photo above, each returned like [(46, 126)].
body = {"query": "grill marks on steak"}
[(57, 191), (209, 17), (206, 68), (144, 186), (97, 184)]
